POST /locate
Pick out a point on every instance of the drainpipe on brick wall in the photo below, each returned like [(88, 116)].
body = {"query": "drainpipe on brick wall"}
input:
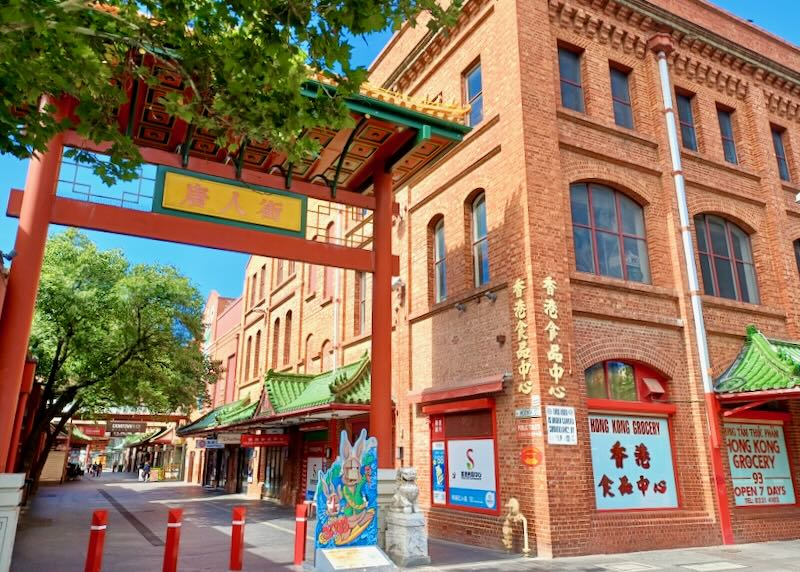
[(661, 44), (337, 295)]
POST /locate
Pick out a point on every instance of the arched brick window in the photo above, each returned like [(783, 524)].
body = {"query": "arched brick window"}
[(608, 230), (247, 358), (257, 354), (480, 241), (287, 338), (797, 253), (623, 381), (276, 338), (438, 261), (326, 357), (726, 259), (309, 355)]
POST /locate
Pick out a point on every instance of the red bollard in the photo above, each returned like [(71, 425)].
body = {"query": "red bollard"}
[(173, 540), (300, 528), (97, 537), (237, 538)]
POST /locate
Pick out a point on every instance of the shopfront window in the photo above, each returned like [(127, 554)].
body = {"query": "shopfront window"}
[(759, 463), (632, 459), (464, 461)]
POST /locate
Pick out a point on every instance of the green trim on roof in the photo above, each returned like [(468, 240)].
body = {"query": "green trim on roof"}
[(227, 414), (141, 438), (349, 385), (762, 364)]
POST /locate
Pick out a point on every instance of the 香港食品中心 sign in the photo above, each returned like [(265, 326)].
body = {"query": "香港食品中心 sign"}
[(632, 462)]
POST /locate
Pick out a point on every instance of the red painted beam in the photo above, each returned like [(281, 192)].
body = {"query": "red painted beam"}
[(157, 226)]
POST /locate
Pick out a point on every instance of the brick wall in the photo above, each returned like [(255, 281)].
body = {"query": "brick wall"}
[(524, 155)]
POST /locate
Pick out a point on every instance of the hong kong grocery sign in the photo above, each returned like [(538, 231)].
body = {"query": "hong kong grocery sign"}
[(759, 464), (632, 462)]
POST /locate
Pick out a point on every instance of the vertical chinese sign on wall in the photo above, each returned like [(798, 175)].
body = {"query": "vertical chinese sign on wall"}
[(521, 327), (554, 355), (632, 462), (759, 464)]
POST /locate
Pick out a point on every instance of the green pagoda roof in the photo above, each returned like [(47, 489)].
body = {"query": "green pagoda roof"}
[(762, 364), (290, 392), (234, 412)]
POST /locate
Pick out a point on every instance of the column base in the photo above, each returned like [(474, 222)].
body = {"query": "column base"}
[(10, 497)]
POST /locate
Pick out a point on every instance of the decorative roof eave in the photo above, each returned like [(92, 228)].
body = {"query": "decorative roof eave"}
[(216, 418), (301, 415), (342, 385), (762, 366)]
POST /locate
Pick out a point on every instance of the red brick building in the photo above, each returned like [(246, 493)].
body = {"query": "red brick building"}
[(545, 338)]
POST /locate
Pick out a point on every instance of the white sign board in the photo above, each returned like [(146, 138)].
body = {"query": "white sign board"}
[(535, 409), (561, 427), (313, 467), (471, 478), (229, 438), (759, 464), (632, 462)]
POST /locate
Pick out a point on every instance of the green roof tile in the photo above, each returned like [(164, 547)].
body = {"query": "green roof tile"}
[(289, 392), (227, 414), (762, 364)]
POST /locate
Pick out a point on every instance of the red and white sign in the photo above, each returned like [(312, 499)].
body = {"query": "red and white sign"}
[(93, 430), (252, 440)]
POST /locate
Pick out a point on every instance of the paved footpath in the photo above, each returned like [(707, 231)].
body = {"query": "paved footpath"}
[(54, 532)]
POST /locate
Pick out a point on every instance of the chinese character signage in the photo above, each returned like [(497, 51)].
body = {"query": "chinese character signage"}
[(347, 496), (759, 464), (561, 426), (222, 200), (439, 471), (270, 440), (632, 462), (521, 327), (471, 478), (555, 358)]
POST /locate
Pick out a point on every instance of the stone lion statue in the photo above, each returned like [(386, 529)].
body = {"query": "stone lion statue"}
[(406, 491)]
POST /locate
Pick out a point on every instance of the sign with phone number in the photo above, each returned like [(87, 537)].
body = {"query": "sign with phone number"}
[(759, 464)]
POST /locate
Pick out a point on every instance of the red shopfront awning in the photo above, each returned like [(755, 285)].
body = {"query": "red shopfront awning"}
[(478, 387)]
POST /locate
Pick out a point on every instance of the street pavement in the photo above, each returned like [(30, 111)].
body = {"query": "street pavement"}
[(54, 532)]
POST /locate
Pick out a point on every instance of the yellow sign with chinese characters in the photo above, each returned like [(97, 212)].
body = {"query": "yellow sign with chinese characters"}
[(554, 355), (208, 198)]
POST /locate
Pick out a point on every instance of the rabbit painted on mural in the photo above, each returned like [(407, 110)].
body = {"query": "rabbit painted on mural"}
[(333, 497), (355, 501)]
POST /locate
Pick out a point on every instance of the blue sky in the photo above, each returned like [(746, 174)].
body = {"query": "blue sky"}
[(224, 271)]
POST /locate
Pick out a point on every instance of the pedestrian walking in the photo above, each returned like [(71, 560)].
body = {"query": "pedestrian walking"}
[(141, 471), (147, 471)]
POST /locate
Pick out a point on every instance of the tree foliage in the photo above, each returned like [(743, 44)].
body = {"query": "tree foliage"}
[(244, 63), (109, 334)]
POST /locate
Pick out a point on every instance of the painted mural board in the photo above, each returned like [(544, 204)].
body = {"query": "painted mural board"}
[(759, 464), (347, 496), (471, 473), (632, 462)]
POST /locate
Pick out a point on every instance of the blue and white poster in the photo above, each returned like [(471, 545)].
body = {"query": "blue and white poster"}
[(471, 478), (347, 496), (632, 462), (439, 471), (759, 464)]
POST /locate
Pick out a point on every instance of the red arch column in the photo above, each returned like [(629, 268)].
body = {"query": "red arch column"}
[(23, 282), (380, 419)]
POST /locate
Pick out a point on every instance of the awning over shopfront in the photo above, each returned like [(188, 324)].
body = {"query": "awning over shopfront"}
[(140, 439), (220, 417), (293, 398), (78, 437), (766, 369)]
